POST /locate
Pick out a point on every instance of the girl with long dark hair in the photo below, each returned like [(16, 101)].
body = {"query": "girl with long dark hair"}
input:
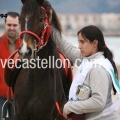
[(90, 92)]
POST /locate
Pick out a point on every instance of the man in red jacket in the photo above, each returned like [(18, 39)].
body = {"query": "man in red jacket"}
[(9, 42)]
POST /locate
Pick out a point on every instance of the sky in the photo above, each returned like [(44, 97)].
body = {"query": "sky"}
[(69, 6)]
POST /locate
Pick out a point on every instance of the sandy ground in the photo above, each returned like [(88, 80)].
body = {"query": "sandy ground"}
[(114, 97)]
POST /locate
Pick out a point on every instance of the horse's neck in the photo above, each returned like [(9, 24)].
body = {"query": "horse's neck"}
[(49, 50)]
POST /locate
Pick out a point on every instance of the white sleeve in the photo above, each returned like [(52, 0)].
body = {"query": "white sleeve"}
[(99, 83)]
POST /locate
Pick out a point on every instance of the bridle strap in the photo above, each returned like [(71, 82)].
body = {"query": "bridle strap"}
[(43, 8), (31, 33), (55, 96), (58, 108), (45, 32)]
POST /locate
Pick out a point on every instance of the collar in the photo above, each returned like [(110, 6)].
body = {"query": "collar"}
[(95, 56)]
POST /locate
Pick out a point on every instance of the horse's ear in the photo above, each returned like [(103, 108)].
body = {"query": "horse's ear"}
[(23, 1), (40, 2)]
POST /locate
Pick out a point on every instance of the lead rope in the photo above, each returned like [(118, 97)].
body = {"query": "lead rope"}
[(55, 97), (9, 94)]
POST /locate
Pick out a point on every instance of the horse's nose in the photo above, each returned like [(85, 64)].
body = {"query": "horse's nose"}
[(28, 52), (19, 51)]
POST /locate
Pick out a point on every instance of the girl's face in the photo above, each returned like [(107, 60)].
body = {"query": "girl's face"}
[(87, 48)]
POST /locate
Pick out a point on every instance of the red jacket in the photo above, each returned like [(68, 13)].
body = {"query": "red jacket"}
[(4, 54)]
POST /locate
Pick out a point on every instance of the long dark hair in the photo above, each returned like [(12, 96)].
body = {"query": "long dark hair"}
[(55, 20), (92, 33)]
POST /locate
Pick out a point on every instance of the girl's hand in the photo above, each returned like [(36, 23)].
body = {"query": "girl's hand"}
[(64, 114)]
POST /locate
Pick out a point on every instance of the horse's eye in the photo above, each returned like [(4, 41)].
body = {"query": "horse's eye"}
[(41, 19)]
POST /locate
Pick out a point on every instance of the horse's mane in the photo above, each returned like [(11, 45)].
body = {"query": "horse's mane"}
[(55, 21)]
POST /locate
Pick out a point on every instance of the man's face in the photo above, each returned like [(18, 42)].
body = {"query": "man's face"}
[(12, 26)]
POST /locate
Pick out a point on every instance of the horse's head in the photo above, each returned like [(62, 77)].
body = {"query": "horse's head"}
[(35, 27)]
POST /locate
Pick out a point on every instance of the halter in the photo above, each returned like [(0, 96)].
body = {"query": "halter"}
[(45, 32)]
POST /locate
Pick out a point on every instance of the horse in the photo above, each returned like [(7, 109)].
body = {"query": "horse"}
[(39, 92)]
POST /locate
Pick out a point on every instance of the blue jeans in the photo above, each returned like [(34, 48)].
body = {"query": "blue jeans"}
[(8, 108)]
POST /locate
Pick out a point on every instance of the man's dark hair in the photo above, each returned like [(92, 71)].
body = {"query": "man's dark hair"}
[(12, 14)]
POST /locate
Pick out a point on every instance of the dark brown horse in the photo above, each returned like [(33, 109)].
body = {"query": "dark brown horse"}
[(37, 87)]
